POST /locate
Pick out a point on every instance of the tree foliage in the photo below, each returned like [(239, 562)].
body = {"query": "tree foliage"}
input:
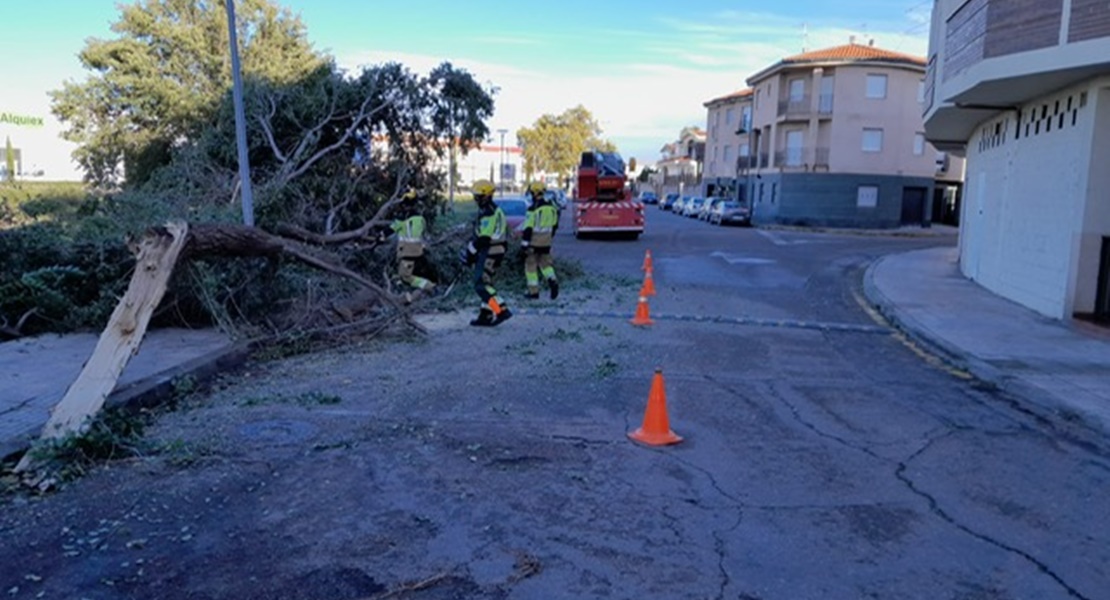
[(157, 84), (554, 143), (9, 159), (329, 152)]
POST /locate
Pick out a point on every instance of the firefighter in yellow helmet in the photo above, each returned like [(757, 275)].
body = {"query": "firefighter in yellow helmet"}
[(485, 252), (410, 227), (539, 232)]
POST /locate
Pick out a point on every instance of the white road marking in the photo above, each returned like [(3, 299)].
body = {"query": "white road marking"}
[(778, 241), (737, 259)]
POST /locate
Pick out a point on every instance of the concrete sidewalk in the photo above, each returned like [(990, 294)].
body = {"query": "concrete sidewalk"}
[(36, 372), (1056, 369)]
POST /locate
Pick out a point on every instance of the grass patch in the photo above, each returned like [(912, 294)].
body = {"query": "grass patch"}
[(112, 435), (313, 398), (563, 335), (606, 367), (24, 202)]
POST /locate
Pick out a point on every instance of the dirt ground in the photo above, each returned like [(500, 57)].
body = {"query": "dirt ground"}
[(441, 467)]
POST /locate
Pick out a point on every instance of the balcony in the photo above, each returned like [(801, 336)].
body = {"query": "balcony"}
[(825, 104), (806, 158), (795, 108), (744, 163)]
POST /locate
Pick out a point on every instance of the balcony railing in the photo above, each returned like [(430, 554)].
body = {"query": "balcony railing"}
[(795, 107), (744, 163), (764, 160), (805, 158), (821, 157), (825, 104)]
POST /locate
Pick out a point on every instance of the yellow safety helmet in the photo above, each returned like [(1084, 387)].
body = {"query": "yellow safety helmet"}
[(483, 187), (537, 188)]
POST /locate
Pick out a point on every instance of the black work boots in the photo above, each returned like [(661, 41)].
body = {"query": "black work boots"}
[(486, 318)]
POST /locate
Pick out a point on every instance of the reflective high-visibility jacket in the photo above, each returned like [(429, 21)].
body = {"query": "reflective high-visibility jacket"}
[(540, 225), (410, 236), (490, 230)]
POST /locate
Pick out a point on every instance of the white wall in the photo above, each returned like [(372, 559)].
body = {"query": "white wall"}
[(1025, 203), (1096, 218), (42, 147)]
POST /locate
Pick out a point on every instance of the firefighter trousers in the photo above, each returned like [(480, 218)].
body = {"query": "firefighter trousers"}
[(485, 267), (537, 261)]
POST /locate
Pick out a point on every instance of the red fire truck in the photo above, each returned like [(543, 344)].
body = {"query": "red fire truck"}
[(603, 203)]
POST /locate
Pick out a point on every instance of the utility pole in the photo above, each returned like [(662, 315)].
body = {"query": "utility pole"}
[(240, 119), (501, 158)]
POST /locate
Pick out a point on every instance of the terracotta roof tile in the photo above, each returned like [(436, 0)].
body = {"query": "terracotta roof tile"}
[(852, 52), (737, 94)]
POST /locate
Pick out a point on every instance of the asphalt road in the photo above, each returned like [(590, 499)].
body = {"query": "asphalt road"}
[(824, 457)]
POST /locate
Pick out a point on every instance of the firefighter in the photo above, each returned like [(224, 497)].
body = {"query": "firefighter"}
[(539, 232), (485, 252), (410, 228)]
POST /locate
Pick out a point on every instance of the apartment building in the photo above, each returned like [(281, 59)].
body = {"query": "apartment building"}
[(681, 163), (1022, 89), (727, 149), (837, 140)]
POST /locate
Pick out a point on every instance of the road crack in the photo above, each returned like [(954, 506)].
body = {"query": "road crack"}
[(936, 509)]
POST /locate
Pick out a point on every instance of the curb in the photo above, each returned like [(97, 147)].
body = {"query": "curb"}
[(148, 392), (1027, 398)]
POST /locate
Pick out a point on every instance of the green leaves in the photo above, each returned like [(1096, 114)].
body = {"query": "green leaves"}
[(554, 144), (160, 82)]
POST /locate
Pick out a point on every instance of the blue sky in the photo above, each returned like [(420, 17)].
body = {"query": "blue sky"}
[(643, 68)]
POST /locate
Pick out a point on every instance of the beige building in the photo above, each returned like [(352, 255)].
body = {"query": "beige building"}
[(1022, 88), (680, 166), (727, 149), (838, 140)]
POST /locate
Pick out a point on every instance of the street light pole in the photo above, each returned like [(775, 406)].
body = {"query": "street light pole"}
[(240, 119), (501, 158)]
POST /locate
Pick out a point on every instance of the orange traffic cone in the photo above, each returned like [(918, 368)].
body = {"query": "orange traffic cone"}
[(642, 314), (648, 289), (656, 430), (647, 261)]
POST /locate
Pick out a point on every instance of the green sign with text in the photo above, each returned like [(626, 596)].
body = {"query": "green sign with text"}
[(21, 120)]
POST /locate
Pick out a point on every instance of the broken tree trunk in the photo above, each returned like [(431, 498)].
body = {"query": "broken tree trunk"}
[(157, 255)]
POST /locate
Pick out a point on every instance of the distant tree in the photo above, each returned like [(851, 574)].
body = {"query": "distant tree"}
[(157, 85), (646, 174), (554, 143), (460, 108), (9, 159)]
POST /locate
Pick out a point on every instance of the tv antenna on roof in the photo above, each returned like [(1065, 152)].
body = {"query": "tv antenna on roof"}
[(805, 37)]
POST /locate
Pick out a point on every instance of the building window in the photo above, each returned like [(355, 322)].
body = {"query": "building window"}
[(876, 86), (872, 140), (918, 144), (797, 90), (745, 119), (921, 92), (867, 196), (728, 116), (727, 153), (745, 150)]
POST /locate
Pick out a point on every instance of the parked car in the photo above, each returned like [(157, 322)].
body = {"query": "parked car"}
[(709, 206), (668, 202), (692, 206), (681, 204), (731, 212), (515, 209), (648, 197)]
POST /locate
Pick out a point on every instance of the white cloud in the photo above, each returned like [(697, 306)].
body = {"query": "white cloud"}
[(643, 105)]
